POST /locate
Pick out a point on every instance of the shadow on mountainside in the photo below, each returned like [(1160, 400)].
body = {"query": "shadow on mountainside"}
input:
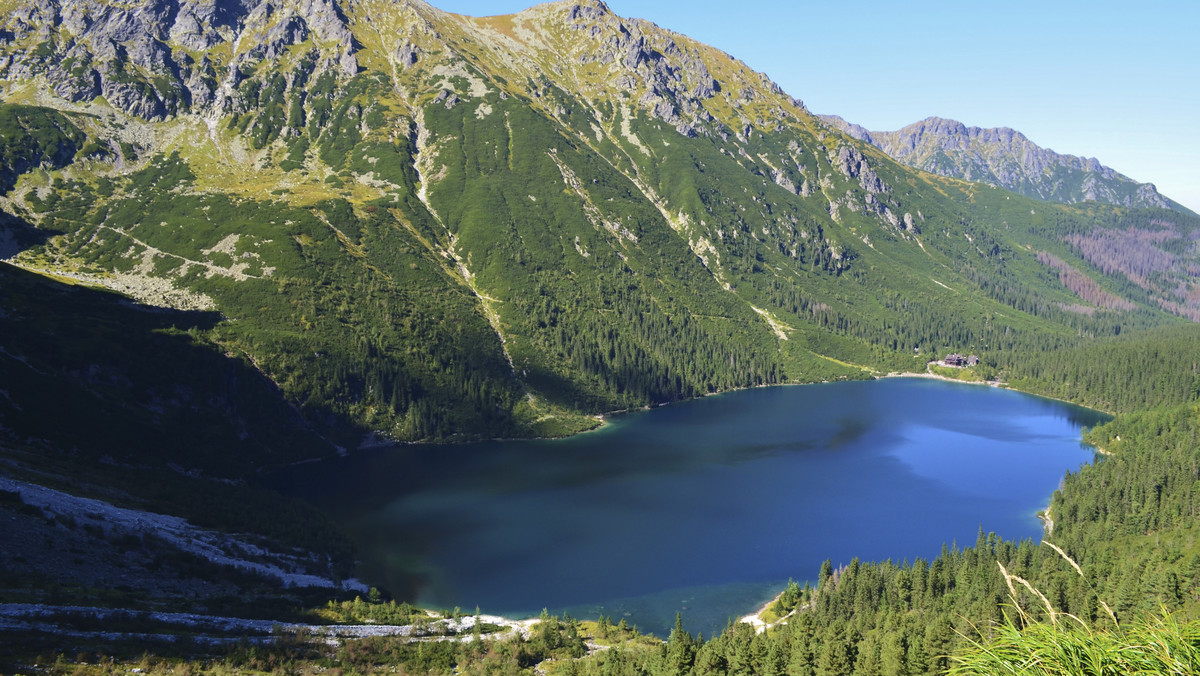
[(17, 235)]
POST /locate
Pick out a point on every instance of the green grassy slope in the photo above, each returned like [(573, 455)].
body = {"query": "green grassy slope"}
[(506, 226)]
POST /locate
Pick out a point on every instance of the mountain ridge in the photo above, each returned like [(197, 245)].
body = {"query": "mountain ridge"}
[(1006, 158), (611, 214)]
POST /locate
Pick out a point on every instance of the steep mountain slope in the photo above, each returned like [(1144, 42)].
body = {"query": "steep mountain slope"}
[(1006, 158), (439, 227), (113, 415)]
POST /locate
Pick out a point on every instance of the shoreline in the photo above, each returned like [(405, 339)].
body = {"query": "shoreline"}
[(998, 385), (604, 418), (755, 619), (1047, 522), (937, 376), (604, 421)]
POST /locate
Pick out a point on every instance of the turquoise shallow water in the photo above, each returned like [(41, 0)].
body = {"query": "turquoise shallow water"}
[(705, 507)]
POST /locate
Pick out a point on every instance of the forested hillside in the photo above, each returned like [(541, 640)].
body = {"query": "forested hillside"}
[(332, 224), (439, 227), (1127, 373)]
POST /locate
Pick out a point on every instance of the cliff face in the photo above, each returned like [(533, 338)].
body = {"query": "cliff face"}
[(1006, 158), (154, 58)]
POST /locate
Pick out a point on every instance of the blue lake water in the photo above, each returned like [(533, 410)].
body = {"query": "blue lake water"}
[(705, 507)]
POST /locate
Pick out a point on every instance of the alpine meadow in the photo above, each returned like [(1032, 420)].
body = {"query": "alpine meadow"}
[(239, 235)]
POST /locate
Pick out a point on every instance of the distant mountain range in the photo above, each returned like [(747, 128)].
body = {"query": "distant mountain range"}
[(1006, 158)]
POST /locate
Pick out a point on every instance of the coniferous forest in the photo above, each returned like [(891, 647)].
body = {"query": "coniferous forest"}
[(239, 239)]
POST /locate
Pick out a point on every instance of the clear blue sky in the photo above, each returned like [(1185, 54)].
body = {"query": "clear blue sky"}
[(1119, 81)]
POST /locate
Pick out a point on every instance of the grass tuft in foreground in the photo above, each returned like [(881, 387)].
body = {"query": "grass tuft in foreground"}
[(1065, 644), (1160, 645)]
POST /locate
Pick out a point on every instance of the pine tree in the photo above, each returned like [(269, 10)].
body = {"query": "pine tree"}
[(681, 650), (892, 653), (837, 652)]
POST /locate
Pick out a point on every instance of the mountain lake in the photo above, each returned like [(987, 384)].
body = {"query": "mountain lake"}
[(705, 507)]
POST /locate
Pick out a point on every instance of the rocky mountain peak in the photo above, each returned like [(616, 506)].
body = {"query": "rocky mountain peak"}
[(669, 76), (586, 10), (1006, 158), (141, 56), (848, 128)]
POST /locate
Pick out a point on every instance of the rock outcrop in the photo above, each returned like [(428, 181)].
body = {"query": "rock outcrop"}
[(141, 56)]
